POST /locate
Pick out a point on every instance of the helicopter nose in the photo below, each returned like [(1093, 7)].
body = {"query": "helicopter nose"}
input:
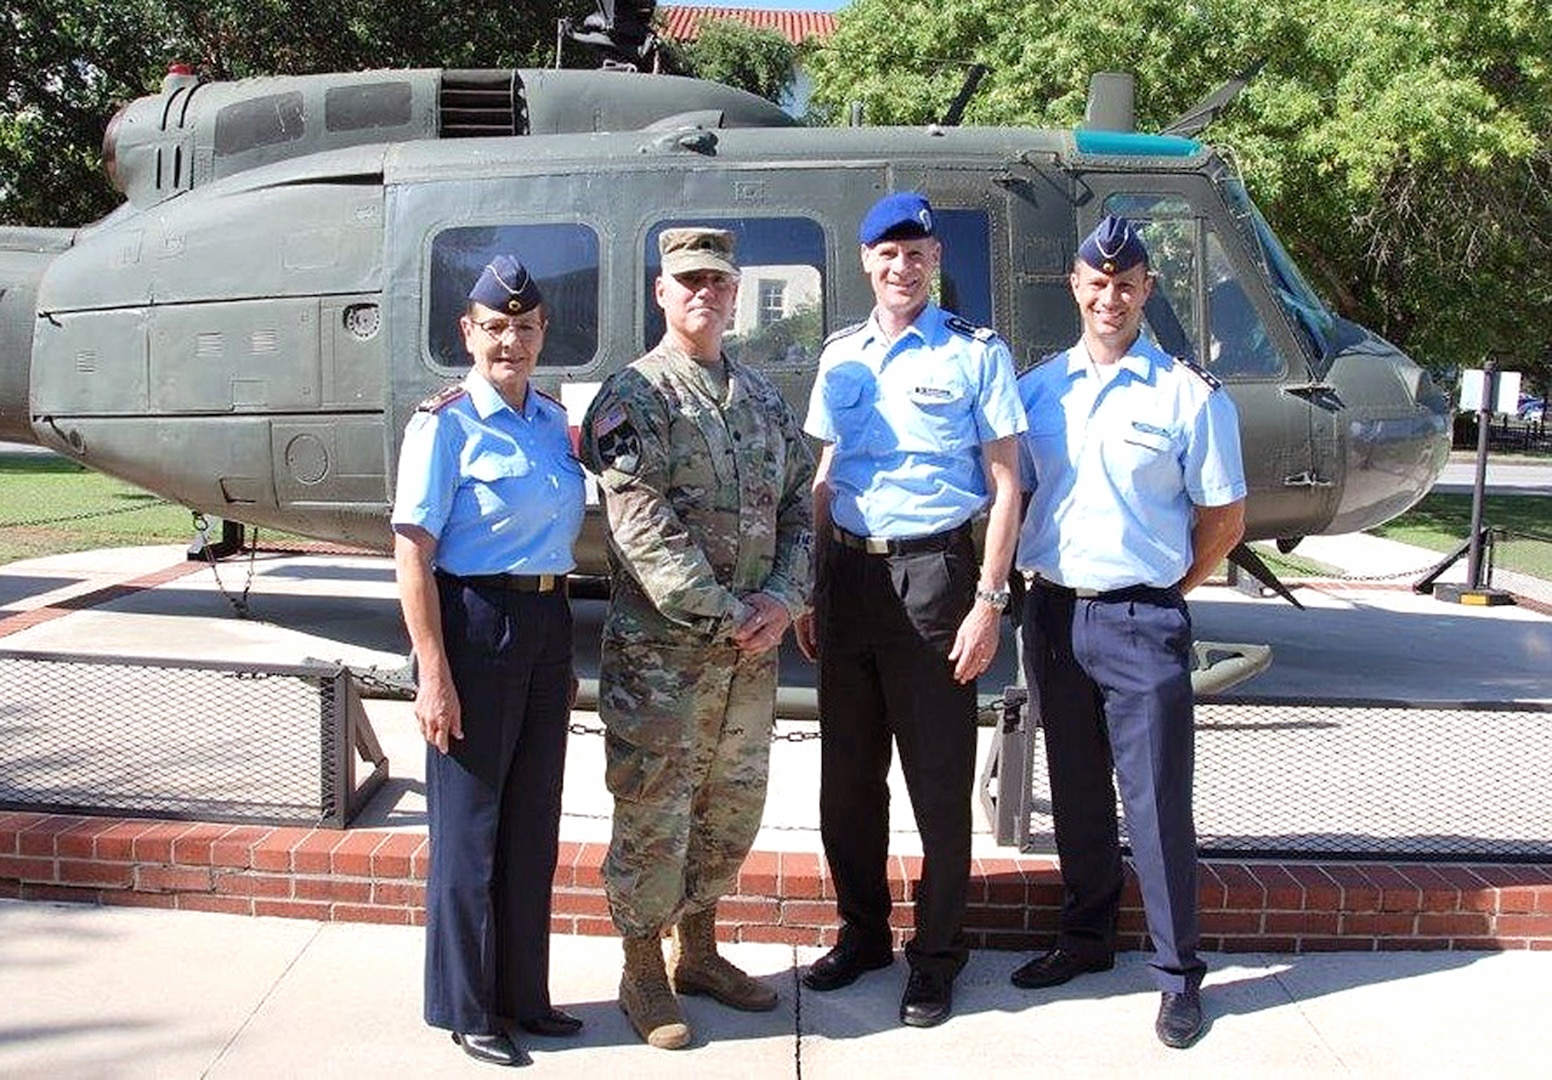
[(1397, 433)]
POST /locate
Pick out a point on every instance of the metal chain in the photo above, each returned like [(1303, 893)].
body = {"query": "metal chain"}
[(239, 603), (1286, 564), (85, 515), (790, 736)]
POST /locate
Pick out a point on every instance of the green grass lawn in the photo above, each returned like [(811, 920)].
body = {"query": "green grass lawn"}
[(1442, 522), (50, 505)]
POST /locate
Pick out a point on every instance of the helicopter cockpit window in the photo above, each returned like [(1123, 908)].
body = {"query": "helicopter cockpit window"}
[(779, 320), (1239, 343), (562, 256), (1199, 307)]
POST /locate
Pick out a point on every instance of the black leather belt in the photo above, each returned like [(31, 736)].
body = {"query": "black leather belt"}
[(1127, 592), (879, 545), (529, 583)]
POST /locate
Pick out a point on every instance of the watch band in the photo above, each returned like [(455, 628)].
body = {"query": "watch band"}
[(997, 598)]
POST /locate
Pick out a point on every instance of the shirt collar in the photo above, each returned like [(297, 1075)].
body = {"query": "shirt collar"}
[(1141, 360), (487, 400), (924, 326)]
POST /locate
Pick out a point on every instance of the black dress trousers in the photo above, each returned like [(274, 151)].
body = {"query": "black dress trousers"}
[(493, 802), (886, 624)]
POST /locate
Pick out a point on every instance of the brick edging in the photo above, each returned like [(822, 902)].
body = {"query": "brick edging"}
[(378, 875)]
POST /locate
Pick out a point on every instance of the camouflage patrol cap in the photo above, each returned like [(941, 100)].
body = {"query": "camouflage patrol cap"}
[(687, 250), (506, 285), (1113, 246)]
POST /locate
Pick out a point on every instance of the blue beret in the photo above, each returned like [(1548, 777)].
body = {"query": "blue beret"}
[(505, 285), (1113, 246), (903, 215)]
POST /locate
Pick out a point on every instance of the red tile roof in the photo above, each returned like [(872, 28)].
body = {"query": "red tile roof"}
[(683, 23)]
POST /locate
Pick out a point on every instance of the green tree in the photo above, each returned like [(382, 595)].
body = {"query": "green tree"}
[(66, 67), (736, 54), (1396, 145)]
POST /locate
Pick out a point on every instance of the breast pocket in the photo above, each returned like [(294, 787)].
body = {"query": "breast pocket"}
[(937, 416), (1142, 457), (495, 480), (848, 398)]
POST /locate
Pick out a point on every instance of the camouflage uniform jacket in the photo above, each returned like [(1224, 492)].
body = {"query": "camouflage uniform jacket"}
[(706, 486)]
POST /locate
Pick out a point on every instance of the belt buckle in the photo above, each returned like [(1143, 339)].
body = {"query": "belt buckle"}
[(1087, 594), (546, 582), (876, 545)]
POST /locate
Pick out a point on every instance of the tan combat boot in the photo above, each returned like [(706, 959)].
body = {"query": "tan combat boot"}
[(646, 999), (699, 970)]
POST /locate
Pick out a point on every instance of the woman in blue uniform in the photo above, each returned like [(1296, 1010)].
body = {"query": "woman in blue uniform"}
[(488, 505)]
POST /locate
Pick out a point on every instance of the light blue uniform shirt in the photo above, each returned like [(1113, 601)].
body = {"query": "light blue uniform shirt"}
[(907, 419), (1116, 465), (498, 487)]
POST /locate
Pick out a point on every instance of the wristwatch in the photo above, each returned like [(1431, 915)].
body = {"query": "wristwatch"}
[(997, 598)]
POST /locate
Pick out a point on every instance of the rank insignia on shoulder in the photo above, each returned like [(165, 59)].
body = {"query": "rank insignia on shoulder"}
[(547, 397), (845, 331), (442, 398), (966, 328), (1212, 381)]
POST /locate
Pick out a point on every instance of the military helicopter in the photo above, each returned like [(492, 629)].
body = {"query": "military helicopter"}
[(249, 331)]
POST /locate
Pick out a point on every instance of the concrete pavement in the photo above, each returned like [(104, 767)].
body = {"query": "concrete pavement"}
[(126, 993)]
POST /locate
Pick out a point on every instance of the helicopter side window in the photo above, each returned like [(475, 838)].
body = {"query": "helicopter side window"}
[(965, 277), (562, 257), (779, 321)]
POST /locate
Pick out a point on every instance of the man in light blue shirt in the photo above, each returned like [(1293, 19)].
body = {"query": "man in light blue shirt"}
[(1137, 491), (918, 412)]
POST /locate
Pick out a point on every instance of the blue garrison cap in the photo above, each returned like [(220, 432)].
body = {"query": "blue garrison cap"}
[(1113, 246), (505, 285), (902, 215)]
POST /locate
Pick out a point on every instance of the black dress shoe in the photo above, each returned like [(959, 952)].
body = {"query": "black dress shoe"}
[(491, 1049), (1056, 967), (928, 1000), (552, 1025), (1180, 1018), (842, 966)]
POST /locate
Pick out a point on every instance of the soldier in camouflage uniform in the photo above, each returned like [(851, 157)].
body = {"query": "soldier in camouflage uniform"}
[(706, 482)]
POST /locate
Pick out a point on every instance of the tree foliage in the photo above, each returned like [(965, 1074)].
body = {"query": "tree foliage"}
[(65, 68), (736, 54), (1398, 146)]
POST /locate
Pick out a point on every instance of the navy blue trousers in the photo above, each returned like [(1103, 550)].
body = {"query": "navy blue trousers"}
[(1112, 678), (886, 625), (493, 803)]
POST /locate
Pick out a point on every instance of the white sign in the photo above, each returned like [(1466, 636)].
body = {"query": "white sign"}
[(1507, 400)]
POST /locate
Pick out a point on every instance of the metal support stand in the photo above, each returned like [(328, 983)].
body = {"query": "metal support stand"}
[(1474, 591)]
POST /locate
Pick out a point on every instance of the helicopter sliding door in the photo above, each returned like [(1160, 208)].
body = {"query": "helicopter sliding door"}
[(1211, 303)]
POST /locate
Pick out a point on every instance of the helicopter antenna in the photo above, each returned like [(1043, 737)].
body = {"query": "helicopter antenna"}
[(1204, 112), (956, 109)]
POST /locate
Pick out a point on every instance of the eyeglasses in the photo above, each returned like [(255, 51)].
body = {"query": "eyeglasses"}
[(500, 328)]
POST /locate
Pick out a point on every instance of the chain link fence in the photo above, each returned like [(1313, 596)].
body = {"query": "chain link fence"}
[(1332, 778), (270, 744)]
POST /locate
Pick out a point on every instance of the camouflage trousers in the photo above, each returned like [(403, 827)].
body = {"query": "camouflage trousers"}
[(687, 756)]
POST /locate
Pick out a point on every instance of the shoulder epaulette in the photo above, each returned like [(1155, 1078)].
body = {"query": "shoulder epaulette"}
[(966, 328), (442, 398), (1212, 381), (845, 331), (551, 398)]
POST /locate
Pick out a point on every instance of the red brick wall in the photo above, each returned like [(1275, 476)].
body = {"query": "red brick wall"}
[(378, 875)]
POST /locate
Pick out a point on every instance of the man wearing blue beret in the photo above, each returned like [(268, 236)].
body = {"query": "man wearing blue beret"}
[(918, 412), (1137, 490)]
